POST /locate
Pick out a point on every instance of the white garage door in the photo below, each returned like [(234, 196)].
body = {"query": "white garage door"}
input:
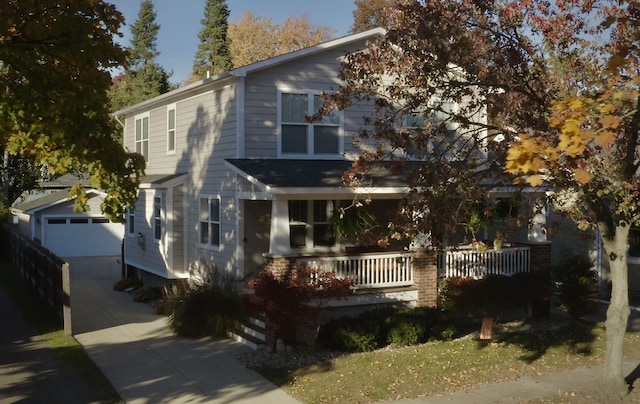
[(82, 236)]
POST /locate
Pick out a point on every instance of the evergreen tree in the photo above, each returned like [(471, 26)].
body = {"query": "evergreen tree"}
[(143, 78), (213, 54)]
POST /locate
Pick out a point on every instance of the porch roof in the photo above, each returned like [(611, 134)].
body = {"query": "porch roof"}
[(274, 174)]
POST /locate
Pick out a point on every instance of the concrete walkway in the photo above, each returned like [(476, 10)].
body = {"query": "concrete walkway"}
[(30, 371), (145, 362)]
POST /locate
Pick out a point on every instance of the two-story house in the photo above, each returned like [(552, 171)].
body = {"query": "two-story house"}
[(237, 177), (236, 173)]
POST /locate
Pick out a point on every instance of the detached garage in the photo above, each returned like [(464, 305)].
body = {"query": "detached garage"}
[(51, 221)]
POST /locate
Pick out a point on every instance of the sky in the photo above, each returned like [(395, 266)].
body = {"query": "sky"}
[(180, 23)]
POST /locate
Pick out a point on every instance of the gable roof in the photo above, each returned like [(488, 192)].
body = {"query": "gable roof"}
[(66, 181), (300, 176), (47, 200), (257, 66)]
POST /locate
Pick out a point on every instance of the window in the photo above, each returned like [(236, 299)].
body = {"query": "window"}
[(310, 223), (142, 136), (79, 221), (301, 138), (210, 221), (171, 129), (131, 220), (157, 218), (445, 139)]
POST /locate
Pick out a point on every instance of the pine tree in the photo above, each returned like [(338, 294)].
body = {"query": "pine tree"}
[(213, 54), (143, 78)]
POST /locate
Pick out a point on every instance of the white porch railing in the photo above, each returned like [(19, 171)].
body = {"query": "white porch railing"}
[(464, 263), (371, 270)]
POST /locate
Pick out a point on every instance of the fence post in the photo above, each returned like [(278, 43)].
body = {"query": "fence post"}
[(66, 299)]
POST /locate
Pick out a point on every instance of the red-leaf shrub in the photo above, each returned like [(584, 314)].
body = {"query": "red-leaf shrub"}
[(296, 299)]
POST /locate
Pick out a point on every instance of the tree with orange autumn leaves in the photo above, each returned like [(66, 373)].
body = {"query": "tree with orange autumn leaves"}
[(545, 93)]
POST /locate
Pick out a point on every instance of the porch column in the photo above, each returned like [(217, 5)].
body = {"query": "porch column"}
[(537, 227), (540, 256), (425, 277), (279, 240)]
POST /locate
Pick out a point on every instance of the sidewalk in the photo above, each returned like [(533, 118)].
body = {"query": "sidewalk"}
[(30, 371), (146, 363)]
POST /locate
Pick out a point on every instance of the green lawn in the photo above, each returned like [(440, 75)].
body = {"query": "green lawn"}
[(437, 367), (47, 323)]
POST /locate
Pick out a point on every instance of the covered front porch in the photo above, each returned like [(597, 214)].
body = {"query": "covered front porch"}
[(285, 223)]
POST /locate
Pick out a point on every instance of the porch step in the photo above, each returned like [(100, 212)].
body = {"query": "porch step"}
[(251, 333)]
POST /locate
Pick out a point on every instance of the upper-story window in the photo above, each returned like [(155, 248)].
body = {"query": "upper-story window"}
[(142, 135), (446, 137), (171, 129), (299, 138)]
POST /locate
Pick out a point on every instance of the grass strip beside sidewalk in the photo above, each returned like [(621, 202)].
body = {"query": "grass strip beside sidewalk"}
[(44, 319)]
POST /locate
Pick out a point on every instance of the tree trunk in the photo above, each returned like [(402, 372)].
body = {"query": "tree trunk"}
[(618, 312)]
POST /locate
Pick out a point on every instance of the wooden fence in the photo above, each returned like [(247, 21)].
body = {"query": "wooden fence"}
[(45, 272)]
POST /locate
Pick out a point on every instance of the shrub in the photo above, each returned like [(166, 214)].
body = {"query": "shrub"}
[(379, 327), (146, 294), (287, 300), (171, 296), (493, 295), (207, 310), (127, 283), (577, 285)]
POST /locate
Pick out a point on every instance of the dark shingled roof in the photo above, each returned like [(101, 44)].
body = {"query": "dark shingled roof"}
[(43, 201), (309, 173), (159, 178)]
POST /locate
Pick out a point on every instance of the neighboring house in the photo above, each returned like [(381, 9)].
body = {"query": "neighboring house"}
[(51, 221)]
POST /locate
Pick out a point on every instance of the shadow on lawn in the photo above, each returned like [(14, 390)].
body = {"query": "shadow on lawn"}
[(537, 336)]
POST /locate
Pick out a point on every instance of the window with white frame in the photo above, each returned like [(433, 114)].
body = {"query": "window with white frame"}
[(298, 137), (142, 135), (310, 223), (445, 140), (157, 218), (131, 221), (171, 129), (209, 221)]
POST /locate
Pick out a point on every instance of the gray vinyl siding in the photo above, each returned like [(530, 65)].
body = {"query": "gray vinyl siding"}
[(317, 72)]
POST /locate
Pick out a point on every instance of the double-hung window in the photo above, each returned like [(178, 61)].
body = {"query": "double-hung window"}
[(310, 223), (142, 135), (300, 138), (171, 129), (209, 221), (440, 118), (157, 218)]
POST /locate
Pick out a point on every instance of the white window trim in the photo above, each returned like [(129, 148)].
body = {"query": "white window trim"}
[(131, 217), (209, 197), (431, 103), (310, 107), (155, 220), (309, 224), (172, 107), (135, 141)]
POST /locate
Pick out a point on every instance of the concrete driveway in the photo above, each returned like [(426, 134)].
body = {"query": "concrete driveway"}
[(144, 361)]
